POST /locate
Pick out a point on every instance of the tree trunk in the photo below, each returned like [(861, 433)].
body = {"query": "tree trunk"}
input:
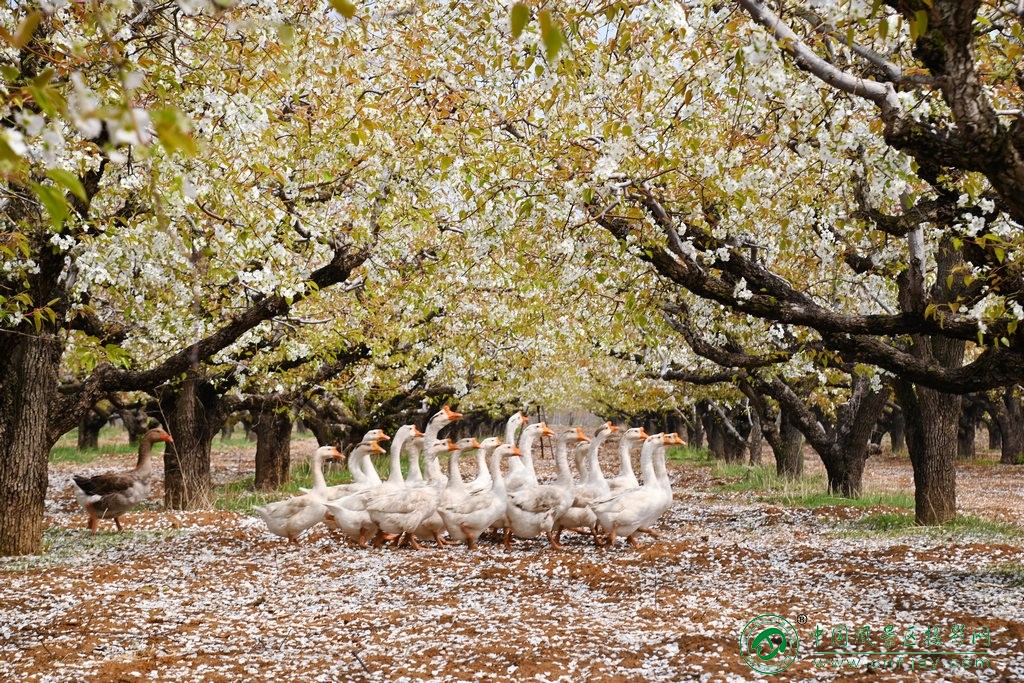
[(28, 389), (136, 422), (966, 431), (789, 463), (1011, 428), (89, 430), (931, 422), (694, 429), (995, 437), (847, 480), (273, 429), (897, 432), (716, 438), (192, 419), (755, 440), (734, 448)]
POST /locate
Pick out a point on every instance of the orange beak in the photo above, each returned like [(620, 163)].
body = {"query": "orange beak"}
[(516, 451), (643, 433), (336, 454), (451, 445), (526, 418), (416, 432), (384, 437), (375, 448), (451, 414), (611, 428), (167, 438), (580, 436), (545, 430), (474, 443)]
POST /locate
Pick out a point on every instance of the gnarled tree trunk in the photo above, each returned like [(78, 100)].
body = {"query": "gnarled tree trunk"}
[(755, 440), (789, 458), (273, 427), (193, 419), (932, 419), (28, 388), (90, 424), (1010, 415)]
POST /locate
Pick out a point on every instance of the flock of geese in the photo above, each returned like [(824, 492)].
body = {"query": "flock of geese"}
[(423, 507)]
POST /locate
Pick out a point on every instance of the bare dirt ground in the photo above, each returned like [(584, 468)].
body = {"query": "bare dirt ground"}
[(212, 596)]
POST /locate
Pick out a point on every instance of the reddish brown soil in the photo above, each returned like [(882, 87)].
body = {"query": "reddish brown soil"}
[(211, 596)]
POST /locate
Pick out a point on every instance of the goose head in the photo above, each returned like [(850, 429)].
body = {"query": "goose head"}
[(575, 436), (535, 430), (517, 419), (445, 416), (634, 434), (490, 443), (375, 435), (468, 444), (157, 434), (507, 450), (606, 430), (327, 453), (406, 432)]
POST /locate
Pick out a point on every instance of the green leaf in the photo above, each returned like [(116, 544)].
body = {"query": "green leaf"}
[(170, 130), (919, 24), (286, 34), (69, 181), (25, 30), (1000, 254), (56, 205), (550, 34), (517, 19), (344, 8)]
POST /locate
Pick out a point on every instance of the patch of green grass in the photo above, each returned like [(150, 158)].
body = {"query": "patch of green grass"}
[(1011, 571), (697, 456), (240, 495), (894, 523), (113, 440), (61, 545), (72, 453), (819, 499), (766, 479)]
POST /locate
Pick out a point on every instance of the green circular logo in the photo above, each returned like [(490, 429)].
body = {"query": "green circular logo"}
[(769, 643)]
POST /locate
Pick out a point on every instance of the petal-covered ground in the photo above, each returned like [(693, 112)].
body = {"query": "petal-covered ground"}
[(211, 596)]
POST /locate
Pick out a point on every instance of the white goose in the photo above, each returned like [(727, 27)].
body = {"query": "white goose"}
[(360, 467), (592, 486), (431, 527), (579, 457), (626, 479), (570, 517), (526, 475), (348, 513), (439, 421), (456, 487), (290, 518), (627, 512), (513, 423), (468, 517), (535, 509), (403, 511)]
